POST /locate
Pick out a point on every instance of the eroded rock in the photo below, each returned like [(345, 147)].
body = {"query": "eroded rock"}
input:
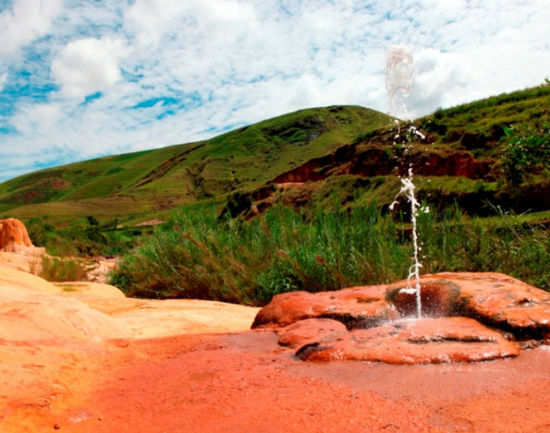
[(13, 236), (494, 299), (425, 341), (310, 331), (361, 307), (374, 331)]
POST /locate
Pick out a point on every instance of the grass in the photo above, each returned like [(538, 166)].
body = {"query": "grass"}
[(486, 119), (140, 186), (145, 182), (61, 270), (84, 237), (199, 256)]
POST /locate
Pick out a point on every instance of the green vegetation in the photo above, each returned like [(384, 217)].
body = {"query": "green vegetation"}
[(527, 152), (145, 183), (288, 203), (199, 256), (84, 237), (54, 269), (140, 186), (480, 125)]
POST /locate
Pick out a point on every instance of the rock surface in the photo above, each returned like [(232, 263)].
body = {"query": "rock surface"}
[(246, 381), (425, 341), (356, 308), (513, 309), (13, 236), (55, 339)]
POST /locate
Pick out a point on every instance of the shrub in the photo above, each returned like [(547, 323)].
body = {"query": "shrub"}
[(55, 269), (525, 149), (199, 256)]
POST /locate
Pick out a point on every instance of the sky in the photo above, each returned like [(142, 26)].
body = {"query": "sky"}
[(86, 78)]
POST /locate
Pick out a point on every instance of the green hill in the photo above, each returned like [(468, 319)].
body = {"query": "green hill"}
[(477, 155), (483, 155), (156, 180)]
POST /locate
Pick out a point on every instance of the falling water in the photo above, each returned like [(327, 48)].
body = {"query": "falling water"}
[(400, 74), (407, 190)]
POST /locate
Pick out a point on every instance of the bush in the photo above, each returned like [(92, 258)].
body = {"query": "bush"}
[(198, 256), (525, 149), (60, 270)]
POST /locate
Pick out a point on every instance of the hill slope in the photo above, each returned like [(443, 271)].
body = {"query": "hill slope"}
[(493, 152), (332, 157), (160, 179)]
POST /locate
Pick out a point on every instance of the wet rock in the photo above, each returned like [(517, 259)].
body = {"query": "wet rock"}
[(310, 331), (494, 299), (425, 341), (361, 307), (518, 313)]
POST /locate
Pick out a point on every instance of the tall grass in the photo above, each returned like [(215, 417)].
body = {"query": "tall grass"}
[(199, 256), (55, 269)]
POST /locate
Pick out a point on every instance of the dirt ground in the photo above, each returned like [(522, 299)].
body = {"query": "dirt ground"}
[(237, 383), (83, 358)]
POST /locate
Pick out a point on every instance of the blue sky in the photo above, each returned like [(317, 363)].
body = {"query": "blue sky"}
[(80, 78)]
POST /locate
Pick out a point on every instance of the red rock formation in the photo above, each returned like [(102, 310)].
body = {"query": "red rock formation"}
[(13, 236), (426, 341), (516, 310), (376, 160), (359, 307)]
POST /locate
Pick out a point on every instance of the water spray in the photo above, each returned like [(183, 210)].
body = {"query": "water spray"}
[(400, 73), (407, 190)]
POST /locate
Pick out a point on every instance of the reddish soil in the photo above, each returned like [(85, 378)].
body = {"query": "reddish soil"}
[(240, 383), (68, 367), (374, 160)]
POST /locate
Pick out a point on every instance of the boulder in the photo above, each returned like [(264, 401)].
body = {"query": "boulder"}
[(13, 236), (310, 331), (459, 310), (360, 307), (425, 341)]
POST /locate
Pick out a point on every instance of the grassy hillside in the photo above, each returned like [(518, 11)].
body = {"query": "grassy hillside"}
[(156, 180), (483, 155), (488, 156), (341, 155)]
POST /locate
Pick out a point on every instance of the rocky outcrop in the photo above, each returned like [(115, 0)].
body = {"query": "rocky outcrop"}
[(469, 317), (426, 341), (13, 236), (379, 160), (356, 308), (55, 340)]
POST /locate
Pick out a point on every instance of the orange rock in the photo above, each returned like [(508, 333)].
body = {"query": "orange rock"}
[(361, 307), (425, 341), (310, 331), (496, 300), (492, 298), (13, 235)]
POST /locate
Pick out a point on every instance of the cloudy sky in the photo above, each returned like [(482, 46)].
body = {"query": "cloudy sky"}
[(82, 78)]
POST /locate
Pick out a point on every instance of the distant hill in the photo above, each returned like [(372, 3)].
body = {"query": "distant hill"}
[(483, 156), (331, 157), (151, 181)]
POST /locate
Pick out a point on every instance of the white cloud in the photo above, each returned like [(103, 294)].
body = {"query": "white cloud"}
[(40, 119), (247, 60), (88, 65), (25, 21), (3, 80), (150, 20)]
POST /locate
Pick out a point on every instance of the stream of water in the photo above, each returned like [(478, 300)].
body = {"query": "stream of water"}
[(400, 74)]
